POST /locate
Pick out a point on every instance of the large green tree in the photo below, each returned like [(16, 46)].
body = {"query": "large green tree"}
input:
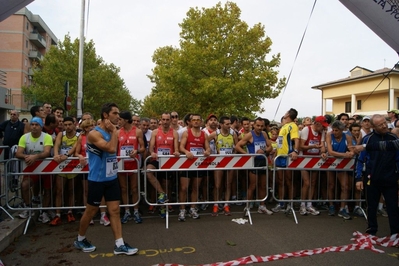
[(101, 81), (222, 66)]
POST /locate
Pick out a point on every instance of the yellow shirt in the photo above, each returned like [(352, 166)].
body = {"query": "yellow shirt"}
[(284, 141)]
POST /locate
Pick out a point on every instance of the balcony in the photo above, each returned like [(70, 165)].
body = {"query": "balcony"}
[(37, 40), (35, 55)]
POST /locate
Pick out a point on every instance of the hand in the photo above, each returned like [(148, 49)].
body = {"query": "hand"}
[(189, 155), (82, 160), (30, 159), (154, 155), (357, 148), (176, 154), (359, 185), (133, 154), (109, 126), (324, 156), (207, 153), (293, 155)]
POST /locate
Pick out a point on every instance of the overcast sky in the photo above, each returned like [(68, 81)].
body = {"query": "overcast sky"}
[(126, 33)]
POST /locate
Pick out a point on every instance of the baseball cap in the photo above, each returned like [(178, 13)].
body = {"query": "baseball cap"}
[(210, 116), (322, 120), (366, 118), (37, 120), (395, 111)]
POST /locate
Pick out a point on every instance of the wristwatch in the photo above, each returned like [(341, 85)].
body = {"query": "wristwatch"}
[(364, 145)]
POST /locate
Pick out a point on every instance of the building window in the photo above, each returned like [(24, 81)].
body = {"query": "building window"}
[(26, 62), (26, 44), (359, 105), (348, 107), (25, 79), (27, 25)]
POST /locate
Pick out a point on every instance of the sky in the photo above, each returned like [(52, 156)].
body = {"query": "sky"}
[(126, 33)]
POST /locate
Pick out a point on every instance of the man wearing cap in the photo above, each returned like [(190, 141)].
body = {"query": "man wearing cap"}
[(393, 116), (366, 126), (32, 146), (312, 144)]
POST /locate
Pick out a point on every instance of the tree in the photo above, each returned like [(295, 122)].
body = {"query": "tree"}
[(221, 66), (101, 81)]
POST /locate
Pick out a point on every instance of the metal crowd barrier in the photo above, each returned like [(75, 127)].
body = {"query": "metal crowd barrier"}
[(48, 168), (176, 165), (3, 180), (332, 165)]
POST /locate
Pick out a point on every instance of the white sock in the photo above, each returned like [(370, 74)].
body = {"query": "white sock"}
[(81, 238), (103, 214), (119, 242)]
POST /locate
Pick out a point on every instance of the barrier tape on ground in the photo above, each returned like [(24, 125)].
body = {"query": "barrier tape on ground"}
[(321, 164), (363, 241), (206, 162)]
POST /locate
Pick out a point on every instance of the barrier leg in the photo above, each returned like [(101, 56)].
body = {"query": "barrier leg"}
[(27, 222), (6, 212), (293, 212)]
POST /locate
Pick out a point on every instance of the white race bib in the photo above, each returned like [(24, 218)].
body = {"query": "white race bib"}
[(197, 151), (112, 167), (163, 151)]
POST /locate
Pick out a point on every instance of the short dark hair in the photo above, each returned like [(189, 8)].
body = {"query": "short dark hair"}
[(50, 119), (223, 118), (106, 108), (69, 118), (292, 113), (34, 109), (341, 115), (354, 125)]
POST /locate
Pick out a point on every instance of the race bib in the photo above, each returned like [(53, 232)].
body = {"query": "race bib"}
[(226, 151), (65, 150), (126, 151), (314, 150), (112, 167), (261, 145), (163, 151), (197, 151)]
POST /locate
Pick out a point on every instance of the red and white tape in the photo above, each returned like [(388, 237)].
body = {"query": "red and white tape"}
[(362, 241)]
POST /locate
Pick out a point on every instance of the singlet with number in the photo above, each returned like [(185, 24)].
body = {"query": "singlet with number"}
[(126, 145), (103, 166), (258, 143), (341, 146), (225, 144), (195, 145), (312, 140), (67, 143), (164, 143), (284, 140)]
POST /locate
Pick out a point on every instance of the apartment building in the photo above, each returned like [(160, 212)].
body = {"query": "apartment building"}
[(364, 92), (24, 39)]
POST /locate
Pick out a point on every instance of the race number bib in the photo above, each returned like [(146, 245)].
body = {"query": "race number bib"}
[(226, 151), (197, 151), (261, 145), (126, 151), (314, 150), (279, 142), (163, 151), (112, 167), (65, 150)]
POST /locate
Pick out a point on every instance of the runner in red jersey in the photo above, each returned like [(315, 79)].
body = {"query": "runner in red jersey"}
[(193, 143)]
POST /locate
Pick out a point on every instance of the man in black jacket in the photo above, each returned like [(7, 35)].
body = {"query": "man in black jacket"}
[(11, 130), (380, 177)]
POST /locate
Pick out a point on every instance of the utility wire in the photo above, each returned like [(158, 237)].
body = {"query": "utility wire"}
[(296, 56)]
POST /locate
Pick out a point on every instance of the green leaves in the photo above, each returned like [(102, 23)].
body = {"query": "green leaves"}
[(101, 81), (220, 66)]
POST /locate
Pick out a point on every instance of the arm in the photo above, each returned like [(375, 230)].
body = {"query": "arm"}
[(57, 156), (242, 143), (176, 143), (95, 137), (269, 147), (183, 142), (154, 154), (330, 150), (78, 148)]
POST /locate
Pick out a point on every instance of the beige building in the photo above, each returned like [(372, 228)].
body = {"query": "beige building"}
[(24, 40), (364, 92)]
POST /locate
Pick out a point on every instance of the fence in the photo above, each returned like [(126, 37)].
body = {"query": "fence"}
[(328, 173)]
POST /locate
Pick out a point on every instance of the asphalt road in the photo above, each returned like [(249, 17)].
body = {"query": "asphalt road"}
[(204, 241)]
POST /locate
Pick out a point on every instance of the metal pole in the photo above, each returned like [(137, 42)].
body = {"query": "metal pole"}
[(80, 71)]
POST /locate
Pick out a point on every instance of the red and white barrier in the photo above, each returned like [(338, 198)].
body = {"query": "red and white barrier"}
[(51, 166), (362, 241), (228, 162), (321, 164)]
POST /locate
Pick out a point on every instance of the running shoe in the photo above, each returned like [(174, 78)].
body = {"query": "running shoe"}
[(182, 215), (127, 217), (25, 214), (302, 210), (162, 198), (194, 214), (151, 209), (44, 218), (56, 221), (312, 210), (331, 210), (104, 220), (382, 212), (226, 210), (125, 249), (162, 212), (288, 210), (263, 209), (204, 207), (137, 217), (278, 208), (84, 245), (70, 217), (215, 211), (358, 212), (343, 214)]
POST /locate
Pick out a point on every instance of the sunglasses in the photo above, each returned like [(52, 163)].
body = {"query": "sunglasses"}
[(174, 116)]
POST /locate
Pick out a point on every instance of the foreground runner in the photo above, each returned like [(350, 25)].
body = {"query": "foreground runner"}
[(102, 142)]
